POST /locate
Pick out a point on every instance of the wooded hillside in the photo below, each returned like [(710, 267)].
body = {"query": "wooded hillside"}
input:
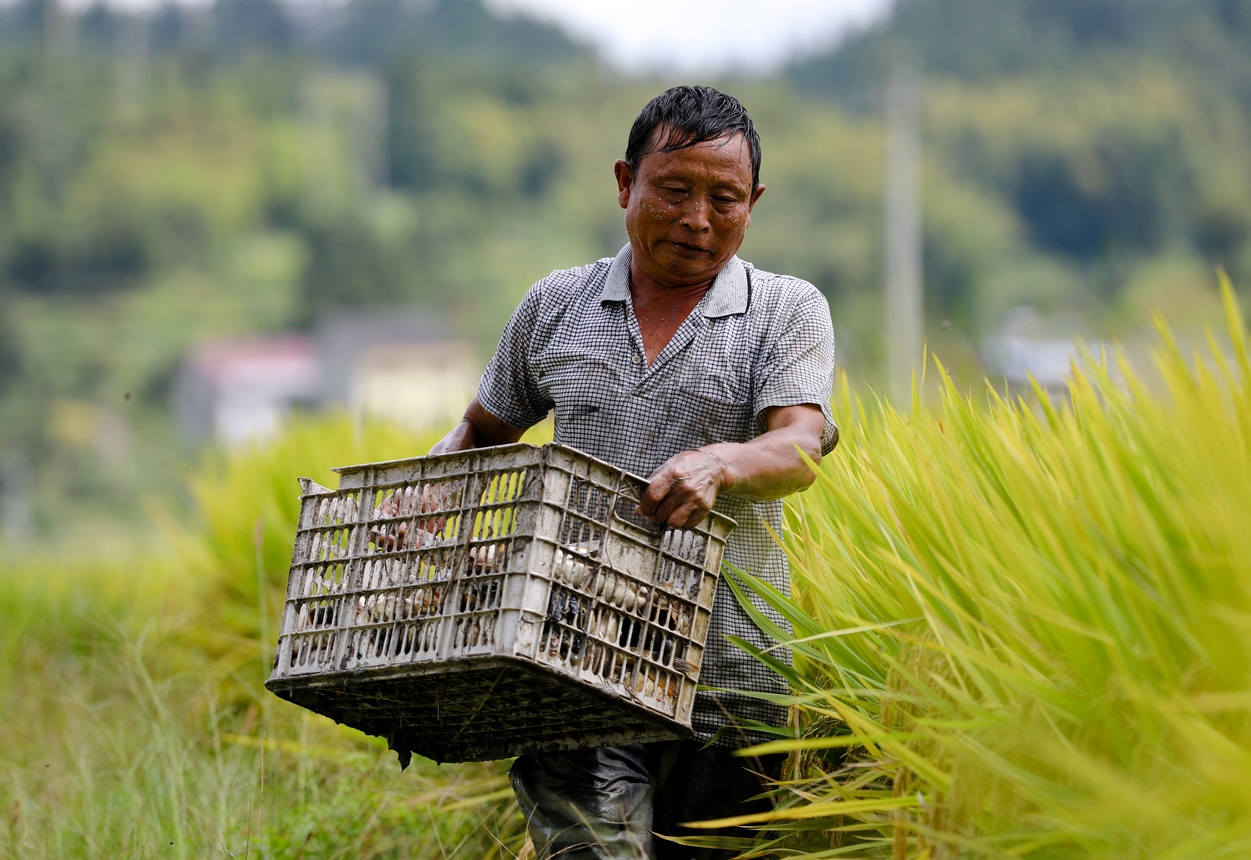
[(198, 172)]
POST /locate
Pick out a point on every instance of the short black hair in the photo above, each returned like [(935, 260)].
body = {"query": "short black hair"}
[(692, 115)]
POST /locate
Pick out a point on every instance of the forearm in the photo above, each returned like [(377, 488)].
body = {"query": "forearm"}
[(683, 490), (771, 466), (477, 429)]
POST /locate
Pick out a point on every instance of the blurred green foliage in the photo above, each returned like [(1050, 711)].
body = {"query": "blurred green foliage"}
[(191, 173), (120, 740)]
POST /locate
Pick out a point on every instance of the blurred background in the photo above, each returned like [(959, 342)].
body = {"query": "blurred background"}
[(217, 216)]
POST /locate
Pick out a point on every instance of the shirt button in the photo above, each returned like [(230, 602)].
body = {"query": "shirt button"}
[(634, 359)]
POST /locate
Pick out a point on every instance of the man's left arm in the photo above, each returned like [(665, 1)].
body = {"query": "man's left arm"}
[(684, 489)]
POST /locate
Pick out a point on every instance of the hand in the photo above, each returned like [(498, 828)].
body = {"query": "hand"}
[(684, 489), (478, 429)]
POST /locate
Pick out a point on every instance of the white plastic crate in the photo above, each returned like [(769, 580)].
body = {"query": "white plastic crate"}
[(483, 604)]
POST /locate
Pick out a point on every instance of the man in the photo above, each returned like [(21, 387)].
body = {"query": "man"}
[(679, 361)]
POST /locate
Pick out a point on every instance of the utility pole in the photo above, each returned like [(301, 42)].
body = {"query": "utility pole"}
[(17, 490), (904, 300), (133, 66), (60, 37)]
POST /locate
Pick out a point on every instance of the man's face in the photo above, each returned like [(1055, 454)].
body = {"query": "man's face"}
[(688, 210)]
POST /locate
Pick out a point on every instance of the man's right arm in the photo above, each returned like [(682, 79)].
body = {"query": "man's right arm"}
[(506, 385), (478, 429)]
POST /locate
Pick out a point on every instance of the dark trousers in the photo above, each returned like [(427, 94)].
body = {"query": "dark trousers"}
[(605, 804)]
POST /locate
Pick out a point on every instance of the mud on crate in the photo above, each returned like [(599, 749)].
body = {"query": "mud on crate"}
[(483, 604)]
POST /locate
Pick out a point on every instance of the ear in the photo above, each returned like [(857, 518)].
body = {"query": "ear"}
[(755, 195), (625, 180)]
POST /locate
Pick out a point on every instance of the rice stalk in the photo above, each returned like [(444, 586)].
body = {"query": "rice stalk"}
[(1031, 621)]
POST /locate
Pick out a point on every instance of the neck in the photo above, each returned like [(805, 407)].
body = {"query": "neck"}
[(644, 288), (660, 309), (688, 296)]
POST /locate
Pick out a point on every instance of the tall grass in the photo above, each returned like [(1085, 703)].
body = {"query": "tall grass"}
[(58, 605), (103, 753), (1025, 630), (133, 722)]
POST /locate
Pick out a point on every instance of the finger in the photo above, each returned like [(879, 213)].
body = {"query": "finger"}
[(687, 516), (678, 498), (649, 500), (664, 508), (659, 488)]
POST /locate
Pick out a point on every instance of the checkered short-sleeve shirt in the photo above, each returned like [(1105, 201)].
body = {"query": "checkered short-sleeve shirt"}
[(755, 340)]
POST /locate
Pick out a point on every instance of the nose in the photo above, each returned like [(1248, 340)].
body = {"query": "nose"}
[(695, 214)]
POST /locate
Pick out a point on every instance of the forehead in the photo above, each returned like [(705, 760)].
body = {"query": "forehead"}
[(729, 153)]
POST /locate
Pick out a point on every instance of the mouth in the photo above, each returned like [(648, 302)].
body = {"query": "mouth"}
[(690, 250)]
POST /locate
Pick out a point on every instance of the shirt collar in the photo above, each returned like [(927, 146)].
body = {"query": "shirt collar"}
[(727, 296)]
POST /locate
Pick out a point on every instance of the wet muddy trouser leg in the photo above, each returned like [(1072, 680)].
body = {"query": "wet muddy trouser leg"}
[(604, 804)]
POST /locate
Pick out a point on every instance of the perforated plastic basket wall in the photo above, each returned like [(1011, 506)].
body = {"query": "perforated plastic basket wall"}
[(479, 605)]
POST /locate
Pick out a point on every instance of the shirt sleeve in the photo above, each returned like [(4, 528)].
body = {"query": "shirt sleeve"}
[(799, 366), (508, 389)]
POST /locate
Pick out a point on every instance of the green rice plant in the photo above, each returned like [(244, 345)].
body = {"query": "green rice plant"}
[(1024, 630), (115, 740), (240, 538), (56, 601)]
